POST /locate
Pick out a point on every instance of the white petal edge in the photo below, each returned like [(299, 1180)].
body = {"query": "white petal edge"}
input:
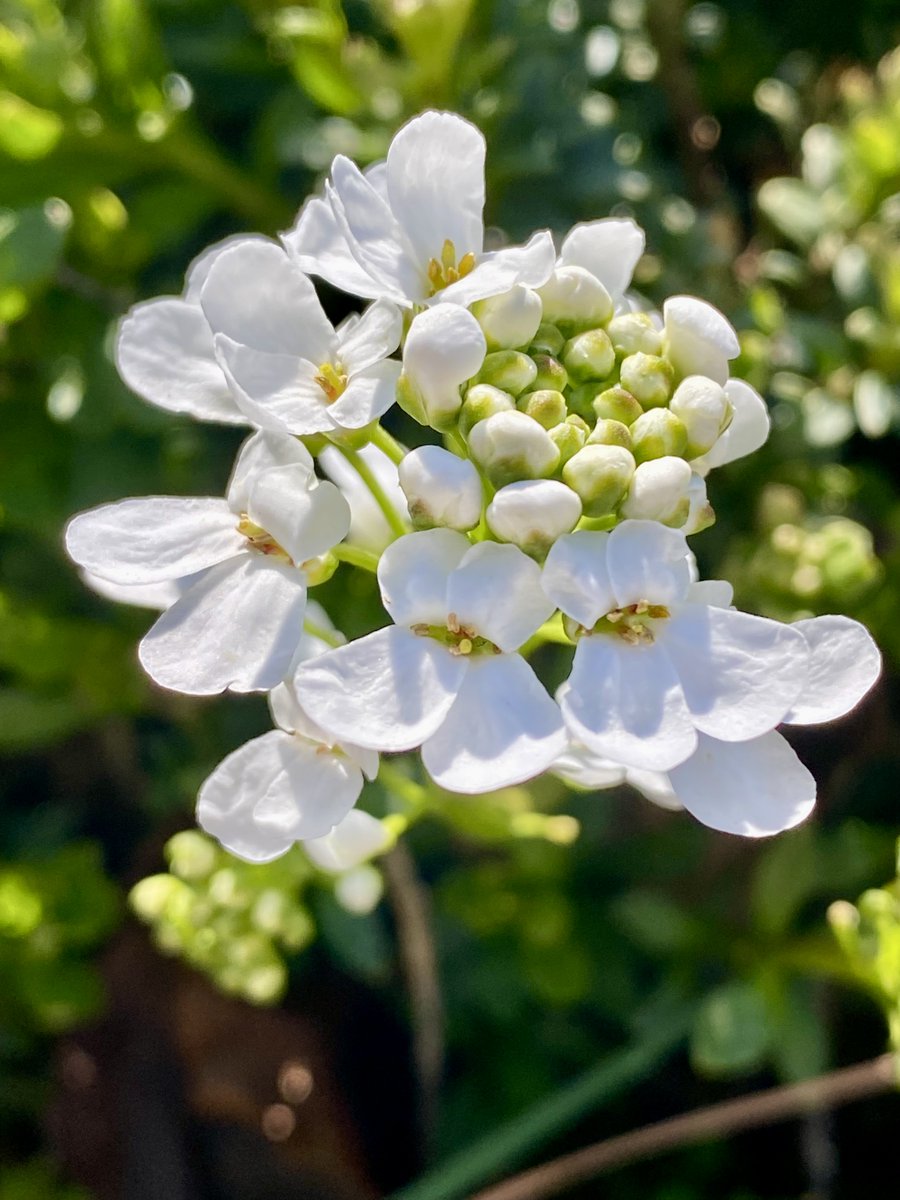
[(844, 664), (413, 575)]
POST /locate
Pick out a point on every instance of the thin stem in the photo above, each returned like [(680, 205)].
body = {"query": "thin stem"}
[(388, 444), (356, 556), (367, 475), (705, 1124), (413, 794), (328, 636)]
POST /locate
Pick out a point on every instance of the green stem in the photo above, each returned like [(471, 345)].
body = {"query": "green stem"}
[(328, 636), (356, 556), (361, 467), (387, 444), (414, 795)]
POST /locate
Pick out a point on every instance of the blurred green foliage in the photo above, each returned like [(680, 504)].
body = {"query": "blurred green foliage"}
[(761, 150)]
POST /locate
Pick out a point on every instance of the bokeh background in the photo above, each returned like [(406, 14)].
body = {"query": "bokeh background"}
[(462, 1008)]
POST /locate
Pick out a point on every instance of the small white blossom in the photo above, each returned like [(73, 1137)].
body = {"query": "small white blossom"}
[(532, 514), (748, 430), (441, 489), (444, 348), (698, 339), (351, 843)]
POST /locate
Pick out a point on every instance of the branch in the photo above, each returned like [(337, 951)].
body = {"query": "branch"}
[(705, 1124)]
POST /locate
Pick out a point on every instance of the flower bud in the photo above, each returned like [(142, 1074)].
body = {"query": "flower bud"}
[(444, 348), (481, 402), (511, 446), (320, 569), (616, 404), (440, 489), (657, 433), (551, 374), (701, 514), (533, 514), (634, 331), (569, 436), (589, 355), (547, 340), (659, 492), (509, 320), (547, 407), (575, 299), (510, 370), (705, 411), (649, 378), (600, 475), (610, 433)]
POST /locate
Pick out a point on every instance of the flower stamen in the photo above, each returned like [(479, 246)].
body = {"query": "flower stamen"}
[(332, 381), (262, 541), (446, 270)]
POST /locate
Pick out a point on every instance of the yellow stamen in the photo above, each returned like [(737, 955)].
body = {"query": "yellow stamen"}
[(332, 381)]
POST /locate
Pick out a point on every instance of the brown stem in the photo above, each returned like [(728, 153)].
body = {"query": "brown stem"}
[(705, 1124)]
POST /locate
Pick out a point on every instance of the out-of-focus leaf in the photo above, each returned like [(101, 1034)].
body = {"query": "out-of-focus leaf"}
[(26, 131), (793, 208), (732, 1033), (31, 243)]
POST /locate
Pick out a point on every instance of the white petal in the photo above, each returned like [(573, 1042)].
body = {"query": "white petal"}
[(275, 391), (368, 526), (748, 430), (610, 249), (387, 691), (754, 788), (625, 703), (257, 296), (274, 791), (585, 769), (740, 673), (413, 574), (259, 453), (656, 786), (142, 595), (165, 353), (375, 336), (576, 577), (356, 839), (648, 561), (368, 396), (435, 183), (305, 518), (496, 272), (288, 715), (237, 627), (699, 339), (717, 592), (496, 590), (844, 664), (318, 246), (444, 347), (503, 729), (153, 538), (199, 267)]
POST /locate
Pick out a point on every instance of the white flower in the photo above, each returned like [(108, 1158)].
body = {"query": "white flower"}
[(582, 768), (511, 319), (748, 430), (238, 623), (444, 348), (369, 526), (411, 230), (698, 339), (446, 676), (534, 513), (352, 842), (660, 491), (441, 489), (292, 784), (290, 370), (658, 661), (608, 249)]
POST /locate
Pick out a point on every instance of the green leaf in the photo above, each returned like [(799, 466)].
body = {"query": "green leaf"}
[(27, 721), (793, 208), (31, 243), (732, 1033)]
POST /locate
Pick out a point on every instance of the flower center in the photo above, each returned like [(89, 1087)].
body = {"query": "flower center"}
[(261, 541), (633, 624), (332, 380), (446, 270), (459, 639)]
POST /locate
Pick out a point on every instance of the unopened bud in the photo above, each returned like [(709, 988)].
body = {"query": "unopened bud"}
[(440, 489), (547, 340), (701, 514), (547, 407), (705, 411), (648, 377), (482, 401), (575, 299), (320, 570), (659, 492), (633, 332), (510, 446), (551, 374), (569, 436), (589, 355), (610, 433), (510, 370), (616, 404), (533, 514), (509, 320), (600, 475), (657, 433), (444, 348)]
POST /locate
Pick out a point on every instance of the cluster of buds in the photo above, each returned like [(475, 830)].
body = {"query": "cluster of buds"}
[(569, 437)]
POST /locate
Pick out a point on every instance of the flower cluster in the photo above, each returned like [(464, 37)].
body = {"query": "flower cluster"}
[(571, 436)]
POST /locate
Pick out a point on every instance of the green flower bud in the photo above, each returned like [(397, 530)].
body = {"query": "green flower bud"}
[(533, 514), (589, 355), (660, 491), (509, 320), (656, 433), (649, 378), (600, 475), (551, 374), (547, 340), (633, 332), (320, 570), (510, 446), (616, 404), (510, 370), (481, 402), (546, 406), (569, 436), (610, 433), (705, 411)]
